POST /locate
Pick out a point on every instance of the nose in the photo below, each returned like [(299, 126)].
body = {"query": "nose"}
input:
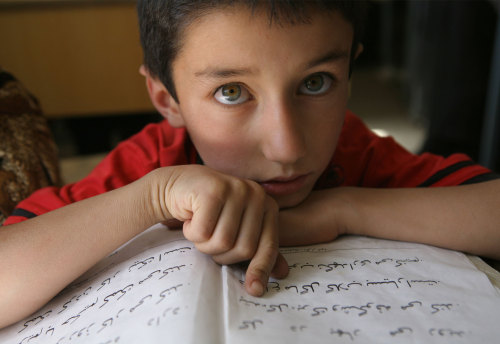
[(283, 133)]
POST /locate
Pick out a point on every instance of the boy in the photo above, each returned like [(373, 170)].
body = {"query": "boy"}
[(261, 87)]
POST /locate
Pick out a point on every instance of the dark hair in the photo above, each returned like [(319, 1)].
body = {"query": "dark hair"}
[(162, 23)]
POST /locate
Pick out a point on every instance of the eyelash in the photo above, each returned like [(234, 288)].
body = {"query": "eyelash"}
[(331, 79), (328, 78), (242, 89)]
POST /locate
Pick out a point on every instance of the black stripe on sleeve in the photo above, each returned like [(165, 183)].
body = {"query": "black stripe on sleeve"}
[(485, 177), (23, 213), (436, 177)]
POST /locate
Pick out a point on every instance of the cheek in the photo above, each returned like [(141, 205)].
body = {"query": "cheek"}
[(222, 149), (324, 133), (220, 137), (324, 145)]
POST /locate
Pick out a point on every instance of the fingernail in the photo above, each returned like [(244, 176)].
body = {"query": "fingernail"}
[(257, 288)]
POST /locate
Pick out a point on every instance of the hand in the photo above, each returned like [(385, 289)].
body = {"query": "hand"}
[(313, 221), (231, 219)]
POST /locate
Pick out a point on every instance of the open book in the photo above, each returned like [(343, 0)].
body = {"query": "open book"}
[(159, 289)]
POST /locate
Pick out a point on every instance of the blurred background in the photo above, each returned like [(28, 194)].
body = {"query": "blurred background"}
[(429, 74)]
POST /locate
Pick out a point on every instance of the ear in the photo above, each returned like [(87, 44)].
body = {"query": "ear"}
[(162, 100), (359, 50)]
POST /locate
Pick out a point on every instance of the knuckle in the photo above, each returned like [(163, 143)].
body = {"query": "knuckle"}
[(256, 187), (216, 189), (271, 204), (197, 235), (207, 248), (258, 193), (219, 260), (245, 252), (263, 265), (225, 243), (239, 188), (203, 247), (269, 249), (272, 244), (204, 234), (261, 271)]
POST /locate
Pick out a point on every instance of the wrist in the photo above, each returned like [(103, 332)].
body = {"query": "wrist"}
[(322, 217), (149, 195), (153, 189), (346, 211)]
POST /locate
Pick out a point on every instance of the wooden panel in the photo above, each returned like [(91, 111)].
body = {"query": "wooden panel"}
[(77, 59)]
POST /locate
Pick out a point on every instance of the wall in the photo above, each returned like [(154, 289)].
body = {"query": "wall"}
[(79, 58)]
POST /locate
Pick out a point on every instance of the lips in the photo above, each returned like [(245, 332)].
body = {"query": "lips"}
[(284, 186)]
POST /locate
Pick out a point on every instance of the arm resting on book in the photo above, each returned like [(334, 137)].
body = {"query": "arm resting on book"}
[(42, 255), (464, 218)]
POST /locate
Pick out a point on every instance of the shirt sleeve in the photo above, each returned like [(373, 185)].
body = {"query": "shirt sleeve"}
[(156, 145), (367, 160)]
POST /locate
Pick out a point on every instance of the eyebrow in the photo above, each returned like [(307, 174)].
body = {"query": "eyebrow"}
[(331, 56), (224, 73), (220, 73)]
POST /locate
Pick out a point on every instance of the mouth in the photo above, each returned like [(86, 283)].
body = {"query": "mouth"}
[(284, 186)]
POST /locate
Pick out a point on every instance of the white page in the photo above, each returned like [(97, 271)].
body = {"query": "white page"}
[(149, 291), (362, 290), (159, 289)]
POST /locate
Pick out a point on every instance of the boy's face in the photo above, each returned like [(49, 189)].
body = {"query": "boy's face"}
[(264, 102)]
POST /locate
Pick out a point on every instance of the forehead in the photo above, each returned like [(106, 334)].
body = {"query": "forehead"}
[(238, 35)]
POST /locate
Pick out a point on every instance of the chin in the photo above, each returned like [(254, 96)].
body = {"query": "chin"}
[(291, 201)]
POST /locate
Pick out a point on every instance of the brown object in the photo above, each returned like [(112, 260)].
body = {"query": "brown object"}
[(80, 58), (28, 154)]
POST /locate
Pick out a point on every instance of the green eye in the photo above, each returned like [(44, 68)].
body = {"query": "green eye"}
[(316, 84), (231, 94)]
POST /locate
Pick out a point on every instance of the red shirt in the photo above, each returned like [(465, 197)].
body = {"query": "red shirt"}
[(361, 159)]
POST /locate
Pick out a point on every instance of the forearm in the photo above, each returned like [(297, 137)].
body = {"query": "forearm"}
[(39, 257), (464, 218)]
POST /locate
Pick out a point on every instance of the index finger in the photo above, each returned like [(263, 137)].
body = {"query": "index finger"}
[(267, 259)]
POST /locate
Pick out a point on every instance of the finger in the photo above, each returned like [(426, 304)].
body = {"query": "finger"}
[(226, 230), (280, 269), (247, 239), (262, 263), (201, 226)]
